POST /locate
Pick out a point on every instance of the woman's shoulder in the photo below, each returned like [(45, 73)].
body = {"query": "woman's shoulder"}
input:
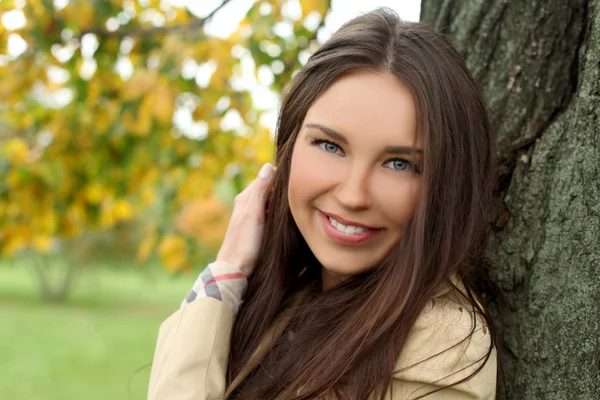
[(450, 315), (449, 341)]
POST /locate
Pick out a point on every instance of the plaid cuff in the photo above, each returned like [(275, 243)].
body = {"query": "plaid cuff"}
[(221, 281)]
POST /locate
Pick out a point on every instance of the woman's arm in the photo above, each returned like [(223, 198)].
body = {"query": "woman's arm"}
[(190, 360)]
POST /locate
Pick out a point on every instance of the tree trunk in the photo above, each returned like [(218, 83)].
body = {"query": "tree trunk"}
[(54, 282), (538, 63)]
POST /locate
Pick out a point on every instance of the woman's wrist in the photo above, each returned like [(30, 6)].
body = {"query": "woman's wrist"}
[(222, 281), (241, 266)]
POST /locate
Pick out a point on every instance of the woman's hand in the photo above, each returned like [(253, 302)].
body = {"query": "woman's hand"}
[(245, 231)]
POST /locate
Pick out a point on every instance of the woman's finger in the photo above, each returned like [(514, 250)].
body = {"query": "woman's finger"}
[(259, 194)]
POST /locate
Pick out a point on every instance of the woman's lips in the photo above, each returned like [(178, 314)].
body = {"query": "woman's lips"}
[(352, 239), (346, 222)]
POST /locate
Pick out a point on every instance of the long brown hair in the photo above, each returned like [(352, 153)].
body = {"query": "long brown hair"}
[(347, 339)]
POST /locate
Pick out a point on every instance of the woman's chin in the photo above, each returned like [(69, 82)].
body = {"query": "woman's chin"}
[(335, 273)]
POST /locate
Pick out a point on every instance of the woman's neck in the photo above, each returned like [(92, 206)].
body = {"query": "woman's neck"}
[(330, 279)]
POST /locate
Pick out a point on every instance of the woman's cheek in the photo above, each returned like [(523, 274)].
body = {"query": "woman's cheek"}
[(399, 201), (310, 166)]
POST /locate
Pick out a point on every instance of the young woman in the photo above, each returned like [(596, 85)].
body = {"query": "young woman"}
[(359, 256)]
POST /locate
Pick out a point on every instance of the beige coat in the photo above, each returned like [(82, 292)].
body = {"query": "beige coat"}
[(190, 360)]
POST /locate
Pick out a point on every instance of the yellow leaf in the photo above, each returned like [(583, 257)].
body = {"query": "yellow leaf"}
[(201, 111), (139, 84), (70, 228), (206, 220), (42, 243), (122, 210), (80, 12), (14, 179), (26, 122), (146, 247), (47, 222), (211, 165), (148, 196), (171, 243), (10, 87), (175, 262), (95, 193), (151, 176), (262, 143), (141, 124), (129, 121), (11, 246), (76, 211), (173, 252), (163, 104), (319, 6), (94, 88), (84, 142), (16, 150), (13, 210), (15, 238), (197, 184)]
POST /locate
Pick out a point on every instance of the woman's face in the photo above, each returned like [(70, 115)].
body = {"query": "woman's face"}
[(355, 174)]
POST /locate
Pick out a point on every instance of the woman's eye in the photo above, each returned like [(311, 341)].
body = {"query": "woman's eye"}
[(328, 146), (399, 164)]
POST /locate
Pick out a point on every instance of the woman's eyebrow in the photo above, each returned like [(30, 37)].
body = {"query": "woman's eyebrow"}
[(329, 132), (342, 139)]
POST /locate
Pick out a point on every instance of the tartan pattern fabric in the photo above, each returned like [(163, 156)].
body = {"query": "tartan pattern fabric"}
[(222, 281)]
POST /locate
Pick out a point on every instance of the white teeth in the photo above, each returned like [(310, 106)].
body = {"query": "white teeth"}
[(333, 222), (348, 230)]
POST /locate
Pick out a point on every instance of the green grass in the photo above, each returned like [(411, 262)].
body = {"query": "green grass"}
[(96, 345)]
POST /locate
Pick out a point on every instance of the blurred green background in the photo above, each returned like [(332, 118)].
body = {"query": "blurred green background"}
[(126, 129), (96, 345)]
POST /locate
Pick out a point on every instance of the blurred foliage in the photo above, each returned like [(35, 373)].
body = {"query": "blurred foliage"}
[(88, 137)]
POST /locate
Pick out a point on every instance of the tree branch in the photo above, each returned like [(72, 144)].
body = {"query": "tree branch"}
[(160, 30)]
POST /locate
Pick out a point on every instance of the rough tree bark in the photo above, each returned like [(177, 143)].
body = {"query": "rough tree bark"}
[(538, 63)]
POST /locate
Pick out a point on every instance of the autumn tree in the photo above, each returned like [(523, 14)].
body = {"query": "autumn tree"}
[(539, 66), (119, 107)]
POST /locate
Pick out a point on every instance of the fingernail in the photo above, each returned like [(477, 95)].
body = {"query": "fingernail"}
[(266, 171)]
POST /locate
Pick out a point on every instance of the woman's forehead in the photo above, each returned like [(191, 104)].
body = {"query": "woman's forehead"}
[(369, 105)]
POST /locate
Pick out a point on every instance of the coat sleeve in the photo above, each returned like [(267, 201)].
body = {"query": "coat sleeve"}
[(190, 360), (439, 352)]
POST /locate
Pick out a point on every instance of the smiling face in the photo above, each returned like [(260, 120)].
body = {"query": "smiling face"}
[(355, 173)]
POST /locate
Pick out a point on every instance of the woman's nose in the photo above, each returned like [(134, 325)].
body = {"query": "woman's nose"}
[(352, 191)]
